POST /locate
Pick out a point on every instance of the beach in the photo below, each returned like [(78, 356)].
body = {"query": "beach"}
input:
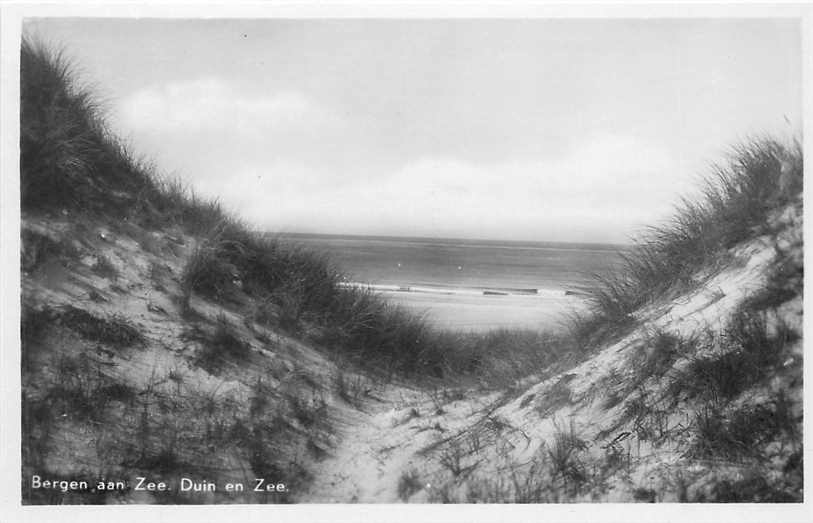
[(471, 285), (479, 313)]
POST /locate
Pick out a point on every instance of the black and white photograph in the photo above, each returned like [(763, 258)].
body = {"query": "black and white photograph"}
[(380, 257)]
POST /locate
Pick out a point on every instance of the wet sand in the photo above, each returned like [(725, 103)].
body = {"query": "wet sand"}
[(481, 313)]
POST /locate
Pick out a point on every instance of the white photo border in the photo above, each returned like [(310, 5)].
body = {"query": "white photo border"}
[(11, 18)]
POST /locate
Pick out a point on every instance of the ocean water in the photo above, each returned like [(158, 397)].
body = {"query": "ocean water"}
[(471, 284)]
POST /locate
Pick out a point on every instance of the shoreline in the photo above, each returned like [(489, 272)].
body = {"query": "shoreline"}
[(480, 309), (450, 290)]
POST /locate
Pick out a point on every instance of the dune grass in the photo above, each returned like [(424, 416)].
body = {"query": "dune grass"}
[(735, 202), (69, 159)]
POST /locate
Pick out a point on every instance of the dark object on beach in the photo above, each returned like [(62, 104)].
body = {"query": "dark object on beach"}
[(510, 290)]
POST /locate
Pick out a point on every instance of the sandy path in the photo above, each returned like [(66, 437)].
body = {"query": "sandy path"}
[(382, 442), (367, 462)]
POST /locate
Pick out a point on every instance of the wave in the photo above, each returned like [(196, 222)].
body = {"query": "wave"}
[(467, 291)]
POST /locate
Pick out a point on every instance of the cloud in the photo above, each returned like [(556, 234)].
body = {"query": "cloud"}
[(277, 160), (602, 190), (211, 104)]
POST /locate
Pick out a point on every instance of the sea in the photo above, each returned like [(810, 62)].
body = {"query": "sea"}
[(471, 285)]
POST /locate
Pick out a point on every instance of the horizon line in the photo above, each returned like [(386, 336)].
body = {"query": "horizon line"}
[(448, 238)]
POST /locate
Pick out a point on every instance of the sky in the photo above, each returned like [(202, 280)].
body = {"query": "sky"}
[(582, 130)]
